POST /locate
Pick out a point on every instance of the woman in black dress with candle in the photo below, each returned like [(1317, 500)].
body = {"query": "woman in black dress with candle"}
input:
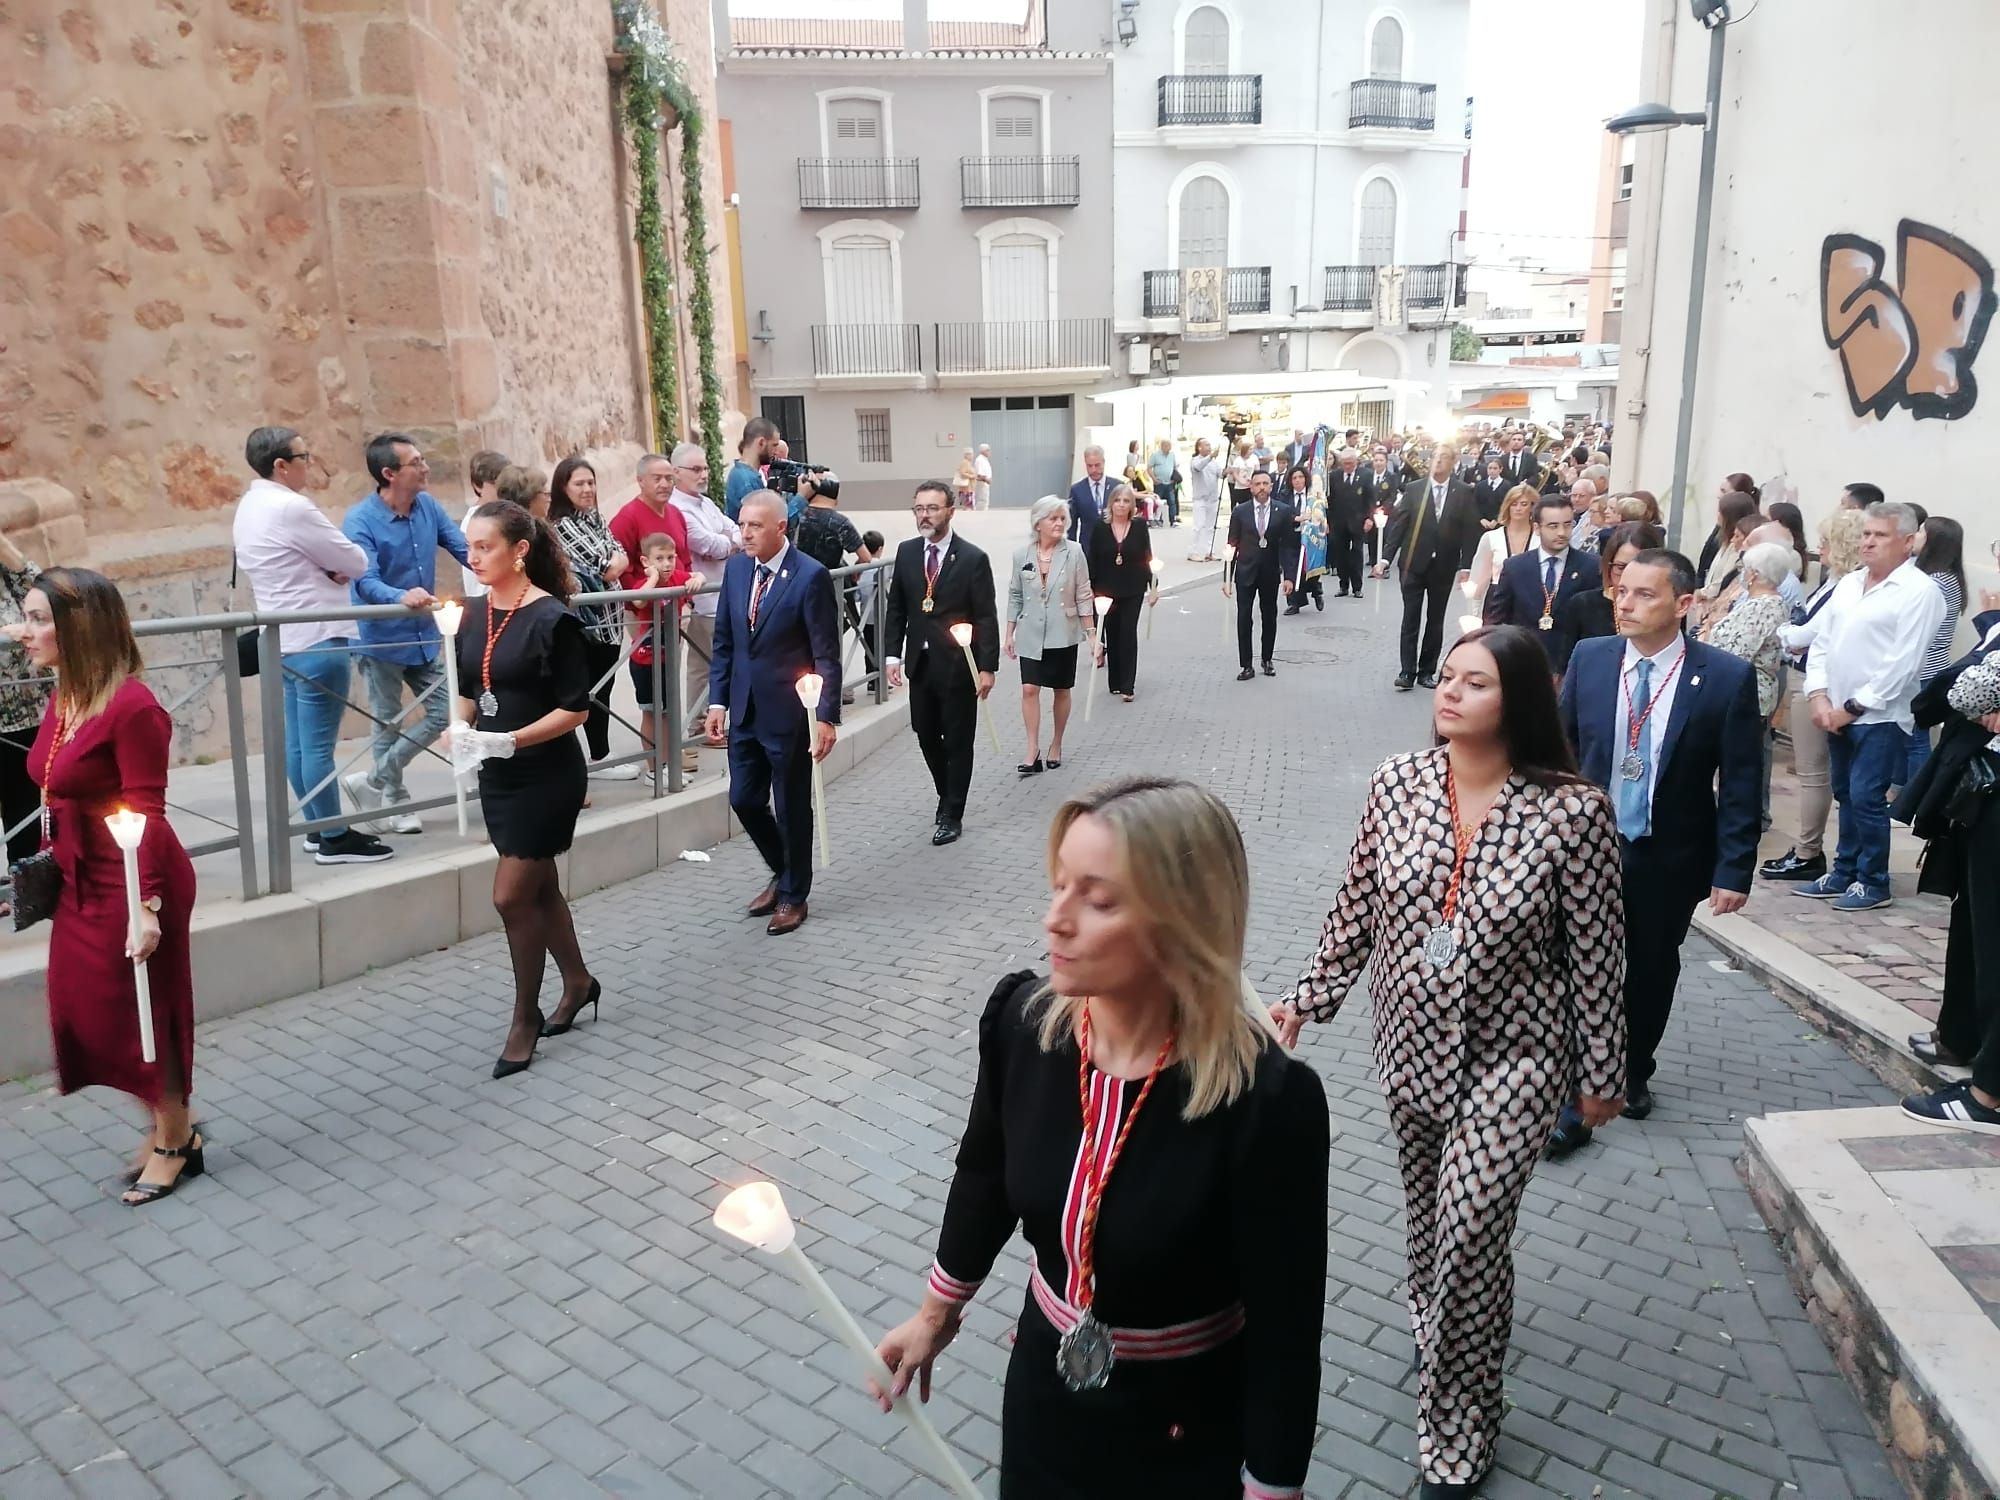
[(523, 671), (1166, 1163), (1121, 570)]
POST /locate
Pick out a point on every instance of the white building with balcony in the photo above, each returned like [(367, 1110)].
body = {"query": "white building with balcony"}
[(1316, 154)]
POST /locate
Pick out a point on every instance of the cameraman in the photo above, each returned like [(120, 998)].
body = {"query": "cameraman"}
[(753, 451)]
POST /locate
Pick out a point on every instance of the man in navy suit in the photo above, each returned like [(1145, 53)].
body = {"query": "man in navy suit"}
[(775, 621), (1670, 728), (1086, 497), (1534, 585)]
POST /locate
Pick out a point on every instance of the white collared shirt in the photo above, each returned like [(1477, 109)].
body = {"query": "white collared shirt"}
[(1666, 682), (1869, 645), (776, 565), (712, 537), (289, 549)]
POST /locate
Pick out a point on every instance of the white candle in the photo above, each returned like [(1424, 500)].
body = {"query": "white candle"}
[(127, 829), (1158, 566), (1090, 687), (755, 1214), (962, 633), (809, 691), (449, 614)]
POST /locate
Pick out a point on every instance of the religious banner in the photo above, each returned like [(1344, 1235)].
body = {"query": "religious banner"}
[(1203, 304)]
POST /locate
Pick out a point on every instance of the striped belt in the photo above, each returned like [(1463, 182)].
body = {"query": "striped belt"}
[(1175, 1341)]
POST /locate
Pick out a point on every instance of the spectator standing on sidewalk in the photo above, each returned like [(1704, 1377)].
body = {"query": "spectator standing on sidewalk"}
[(1941, 554), (1839, 555), (1165, 471), (1961, 829), (753, 451), (647, 513), (982, 481), (483, 474), (401, 528), (1867, 648), (712, 539), (297, 559), (596, 563)]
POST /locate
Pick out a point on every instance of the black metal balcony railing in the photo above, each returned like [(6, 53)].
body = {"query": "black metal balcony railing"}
[(1019, 181), (1427, 288), (1248, 289), (1388, 104), (857, 182), (1212, 99), (1050, 344), (1350, 288), (866, 349)]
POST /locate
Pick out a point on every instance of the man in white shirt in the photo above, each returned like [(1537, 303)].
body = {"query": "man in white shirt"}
[(712, 540), (1867, 649), (982, 478), (297, 559)]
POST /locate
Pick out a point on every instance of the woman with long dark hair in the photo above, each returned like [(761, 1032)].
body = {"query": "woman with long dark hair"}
[(1586, 616), (103, 747), (1730, 507), (1940, 553), (595, 562), (1485, 884), (524, 684), (1793, 520)]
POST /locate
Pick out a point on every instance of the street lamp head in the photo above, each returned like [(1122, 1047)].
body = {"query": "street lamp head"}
[(1648, 117)]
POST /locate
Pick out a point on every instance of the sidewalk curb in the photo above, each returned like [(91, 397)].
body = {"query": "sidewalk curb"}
[(1874, 1029)]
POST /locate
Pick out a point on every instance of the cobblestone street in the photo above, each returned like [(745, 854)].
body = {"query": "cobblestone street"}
[(404, 1279)]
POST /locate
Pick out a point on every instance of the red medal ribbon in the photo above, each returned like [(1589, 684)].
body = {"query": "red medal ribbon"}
[(1093, 1179), (1635, 721)]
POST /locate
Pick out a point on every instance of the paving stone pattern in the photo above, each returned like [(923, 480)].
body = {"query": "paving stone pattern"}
[(402, 1278)]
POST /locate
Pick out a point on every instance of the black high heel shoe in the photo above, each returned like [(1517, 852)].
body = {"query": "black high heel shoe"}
[(1030, 768), (554, 1028), (504, 1067), (193, 1164)]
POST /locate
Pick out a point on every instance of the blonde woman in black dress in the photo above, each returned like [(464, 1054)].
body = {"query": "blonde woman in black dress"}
[(1485, 885), (524, 686)]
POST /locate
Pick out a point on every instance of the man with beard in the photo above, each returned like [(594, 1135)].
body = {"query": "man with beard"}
[(941, 580)]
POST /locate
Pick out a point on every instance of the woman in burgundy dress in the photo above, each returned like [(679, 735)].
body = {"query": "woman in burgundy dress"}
[(103, 746)]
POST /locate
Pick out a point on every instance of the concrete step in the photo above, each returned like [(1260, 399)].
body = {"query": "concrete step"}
[(1893, 1233)]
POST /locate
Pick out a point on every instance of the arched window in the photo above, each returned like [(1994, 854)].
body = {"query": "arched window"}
[(1204, 239), (1206, 41), (1385, 49), (1376, 243)]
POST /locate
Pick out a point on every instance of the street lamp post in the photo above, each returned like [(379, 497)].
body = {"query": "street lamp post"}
[(1714, 14)]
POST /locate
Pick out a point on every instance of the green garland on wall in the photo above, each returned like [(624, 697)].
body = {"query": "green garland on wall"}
[(653, 78)]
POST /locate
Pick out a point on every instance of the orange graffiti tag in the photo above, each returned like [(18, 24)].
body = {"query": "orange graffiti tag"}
[(1912, 347)]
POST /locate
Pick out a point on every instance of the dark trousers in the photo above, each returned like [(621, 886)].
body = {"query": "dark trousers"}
[(1864, 761), (1121, 642), (1660, 902), (944, 712), (19, 796), (1425, 598), (601, 657), (1345, 559), (1371, 542), (1170, 496), (1969, 1020), (776, 771), (1263, 587)]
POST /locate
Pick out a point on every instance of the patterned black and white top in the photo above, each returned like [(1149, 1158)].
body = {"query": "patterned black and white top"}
[(586, 540), (1538, 980), (1937, 654)]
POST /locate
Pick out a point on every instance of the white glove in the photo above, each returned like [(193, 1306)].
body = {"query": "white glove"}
[(470, 746)]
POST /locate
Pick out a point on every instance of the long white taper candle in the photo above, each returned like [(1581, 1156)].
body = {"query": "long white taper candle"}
[(810, 685), (449, 614), (1090, 688), (1228, 577), (962, 633), (755, 1214), (127, 830)]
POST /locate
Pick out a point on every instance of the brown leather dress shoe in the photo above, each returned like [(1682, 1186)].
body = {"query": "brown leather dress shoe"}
[(788, 918), (766, 902)]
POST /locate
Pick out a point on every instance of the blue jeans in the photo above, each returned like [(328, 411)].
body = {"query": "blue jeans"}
[(315, 702), (1864, 761), (1920, 751), (395, 742)]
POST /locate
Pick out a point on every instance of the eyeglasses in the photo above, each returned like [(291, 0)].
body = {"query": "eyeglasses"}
[(928, 510), (297, 458), (693, 468)]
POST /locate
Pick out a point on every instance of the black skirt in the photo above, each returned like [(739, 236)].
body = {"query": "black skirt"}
[(1056, 668), (531, 801)]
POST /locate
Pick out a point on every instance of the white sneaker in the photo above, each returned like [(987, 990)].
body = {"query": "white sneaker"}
[(366, 798), (405, 822), (627, 772)]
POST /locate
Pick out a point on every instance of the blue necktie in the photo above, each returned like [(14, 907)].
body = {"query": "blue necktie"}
[(1549, 577), (1635, 813)]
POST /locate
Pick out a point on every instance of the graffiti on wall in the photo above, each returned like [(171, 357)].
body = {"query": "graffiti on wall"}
[(1912, 344)]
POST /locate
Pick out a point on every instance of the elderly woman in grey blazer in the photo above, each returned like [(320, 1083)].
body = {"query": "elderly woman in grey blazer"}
[(1049, 613)]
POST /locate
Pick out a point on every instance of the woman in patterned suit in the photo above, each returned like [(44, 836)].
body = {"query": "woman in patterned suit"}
[(1485, 884)]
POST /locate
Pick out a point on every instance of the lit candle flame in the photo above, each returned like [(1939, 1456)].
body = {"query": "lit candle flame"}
[(962, 633), (448, 615), (127, 827), (809, 687), (1103, 603), (755, 1214)]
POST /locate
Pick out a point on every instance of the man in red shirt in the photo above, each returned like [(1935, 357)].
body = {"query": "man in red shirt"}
[(650, 511)]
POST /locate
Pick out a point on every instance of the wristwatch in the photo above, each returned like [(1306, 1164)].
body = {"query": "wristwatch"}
[(1853, 706), (152, 904)]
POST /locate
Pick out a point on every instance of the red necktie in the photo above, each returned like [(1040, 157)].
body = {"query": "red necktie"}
[(757, 593), (931, 564)]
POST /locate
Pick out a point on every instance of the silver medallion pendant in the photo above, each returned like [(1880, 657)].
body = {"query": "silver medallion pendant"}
[(1631, 767), (488, 704), (1440, 946), (928, 606), (1084, 1356), (1263, 541), (1546, 622)]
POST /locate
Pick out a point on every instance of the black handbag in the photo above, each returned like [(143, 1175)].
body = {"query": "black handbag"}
[(1972, 792), (37, 880), (248, 658)]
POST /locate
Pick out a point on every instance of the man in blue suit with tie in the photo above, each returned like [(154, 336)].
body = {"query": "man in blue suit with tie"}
[(776, 620), (1534, 585), (1086, 497), (1670, 728)]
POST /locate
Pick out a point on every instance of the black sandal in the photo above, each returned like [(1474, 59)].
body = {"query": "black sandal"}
[(192, 1166)]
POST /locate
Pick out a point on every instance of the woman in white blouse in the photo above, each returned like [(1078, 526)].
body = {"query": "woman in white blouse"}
[(1515, 533)]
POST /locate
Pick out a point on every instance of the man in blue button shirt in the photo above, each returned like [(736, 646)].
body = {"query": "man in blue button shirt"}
[(400, 527)]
